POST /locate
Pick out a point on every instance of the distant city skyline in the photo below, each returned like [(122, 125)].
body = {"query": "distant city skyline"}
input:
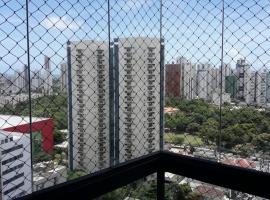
[(203, 81)]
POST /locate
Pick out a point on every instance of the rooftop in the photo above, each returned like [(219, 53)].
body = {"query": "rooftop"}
[(209, 191), (8, 121), (170, 110), (240, 162)]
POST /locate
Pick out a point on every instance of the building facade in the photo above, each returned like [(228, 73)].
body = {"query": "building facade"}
[(36, 82), (261, 87), (243, 75), (173, 80), (26, 80), (16, 175), (138, 64), (268, 87), (42, 129), (231, 85), (226, 71), (204, 82), (18, 83), (89, 137), (189, 78), (63, 77), (48, 78)]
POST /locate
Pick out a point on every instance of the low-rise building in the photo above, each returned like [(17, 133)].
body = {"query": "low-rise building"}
[(240, 162), (47, 174), (170, 110), (216, 100), (42, 130), (16, 175)]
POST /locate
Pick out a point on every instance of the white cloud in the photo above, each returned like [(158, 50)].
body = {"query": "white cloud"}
[(61, 23)]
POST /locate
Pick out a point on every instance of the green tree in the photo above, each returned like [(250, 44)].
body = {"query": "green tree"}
[(245, 149), (193, 127), (209, 131), (185, 193), (73, 174), (262, 142), (59, 137), (237, 134)]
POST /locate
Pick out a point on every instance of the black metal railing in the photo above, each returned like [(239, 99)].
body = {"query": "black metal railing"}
[(99, 183)]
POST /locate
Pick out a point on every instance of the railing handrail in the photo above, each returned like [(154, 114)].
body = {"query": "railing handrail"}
[(104, 181)]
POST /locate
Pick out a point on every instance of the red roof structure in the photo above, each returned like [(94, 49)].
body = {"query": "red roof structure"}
[(21, 124), (240, 162)]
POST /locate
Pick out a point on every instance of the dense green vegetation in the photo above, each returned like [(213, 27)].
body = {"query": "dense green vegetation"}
[(47, 106), (75, 174), (240, 127), (54, 106), (177, 139), (147, 191)]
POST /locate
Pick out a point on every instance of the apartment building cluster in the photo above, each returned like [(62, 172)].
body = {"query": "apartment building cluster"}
[(204, 81), (41, 81), (14, 87), (136, 79)]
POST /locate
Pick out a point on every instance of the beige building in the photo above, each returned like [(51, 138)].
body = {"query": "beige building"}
[(138, 63), (90, 106)]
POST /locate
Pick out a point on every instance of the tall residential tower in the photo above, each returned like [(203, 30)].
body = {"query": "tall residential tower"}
[(89, 115), (137, 61), (48, 79)]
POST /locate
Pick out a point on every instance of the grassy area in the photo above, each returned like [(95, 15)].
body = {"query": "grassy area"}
[(183, 139)]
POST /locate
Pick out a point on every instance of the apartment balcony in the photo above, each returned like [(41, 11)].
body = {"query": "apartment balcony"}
[(129, 71), (151, 112), (150, 70), (151, 87), (150, 129), (150, 76), (151, 81), (128, 130), (129, 94), (128, 122), (128, 59), (101, 147)]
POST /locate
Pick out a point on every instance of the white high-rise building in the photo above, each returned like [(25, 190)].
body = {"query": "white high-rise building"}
[(64, 77), (204, 82), (215, 74), (25, 79), (260, 90), (226, 71), (36, 81), (251, 88), (244, 77), (18, 82), (90, 106), (16, 175), (2, 84), (188, 77), (268, 87), (138, 63), (48, 78)]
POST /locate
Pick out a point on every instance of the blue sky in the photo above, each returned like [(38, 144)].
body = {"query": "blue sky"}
[(191, 28)]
